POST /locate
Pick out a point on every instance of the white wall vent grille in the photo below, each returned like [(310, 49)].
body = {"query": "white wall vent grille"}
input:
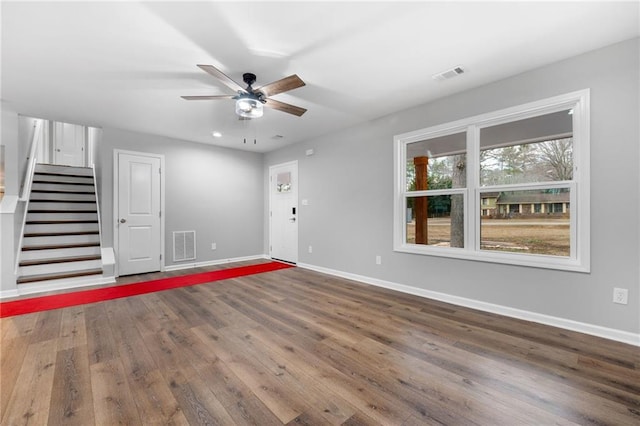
[(445, 75), (184, 245)]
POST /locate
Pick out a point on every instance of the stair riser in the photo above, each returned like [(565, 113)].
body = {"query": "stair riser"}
[(62, 178), (68, 216), (25, 271), (65, 227), (61, 197), (64, 170), (62, 206), (59, 253), (65, 239), (28, 287), (61, 187)]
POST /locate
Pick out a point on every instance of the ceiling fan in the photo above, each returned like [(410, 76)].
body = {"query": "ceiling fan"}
[(249, 101)]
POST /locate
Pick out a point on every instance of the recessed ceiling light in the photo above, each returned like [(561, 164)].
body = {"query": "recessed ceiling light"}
[(216, 134)]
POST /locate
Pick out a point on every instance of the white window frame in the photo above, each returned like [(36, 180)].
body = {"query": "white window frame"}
[(579, 258)]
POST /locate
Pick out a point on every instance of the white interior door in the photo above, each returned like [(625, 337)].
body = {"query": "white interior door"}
[(138, 224), (283, 212), (69, 144)]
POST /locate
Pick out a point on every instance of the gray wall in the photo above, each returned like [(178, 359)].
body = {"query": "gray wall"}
[(349, 186), (8, 220), (215, 191)]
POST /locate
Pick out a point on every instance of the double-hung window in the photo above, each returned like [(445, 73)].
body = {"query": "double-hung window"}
[(510, 186)]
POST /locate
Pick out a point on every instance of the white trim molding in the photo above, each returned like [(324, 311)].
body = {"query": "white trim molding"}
[(214, 262), (577, 104), (581, 327)]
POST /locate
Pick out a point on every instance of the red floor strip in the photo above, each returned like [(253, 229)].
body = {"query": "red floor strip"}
[(45, 303)]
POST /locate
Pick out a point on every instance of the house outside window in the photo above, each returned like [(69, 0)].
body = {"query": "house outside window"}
[(499, 187)]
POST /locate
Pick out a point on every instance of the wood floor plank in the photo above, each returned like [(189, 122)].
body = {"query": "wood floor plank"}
[(198, 403), (12, 353), (113, 402), (299, 347), (332, 408), (71, 398), (239, 401), (256, 377), (31, 397), (47, 326), (367, 399), (73, 331), (101, 344)]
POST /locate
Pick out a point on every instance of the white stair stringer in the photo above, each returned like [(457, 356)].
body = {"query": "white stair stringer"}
[(61, 241)]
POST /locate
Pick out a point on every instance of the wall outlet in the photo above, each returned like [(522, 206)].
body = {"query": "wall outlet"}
[(378, 260), (310, 249), (214, 246), (621, 296)]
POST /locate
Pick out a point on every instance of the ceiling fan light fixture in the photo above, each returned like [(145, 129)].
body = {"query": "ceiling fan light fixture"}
[(249, 108)]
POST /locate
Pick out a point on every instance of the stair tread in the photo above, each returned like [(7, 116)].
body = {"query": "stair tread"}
[(55, 222), (56, 276), (60, 191), (61, 201), (59, 234), (40, 172), (62, 182), (62, 211), (60, 246), (59, 260)]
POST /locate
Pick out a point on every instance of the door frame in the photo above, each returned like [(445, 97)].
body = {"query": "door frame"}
[(271, 167), (115, 213)]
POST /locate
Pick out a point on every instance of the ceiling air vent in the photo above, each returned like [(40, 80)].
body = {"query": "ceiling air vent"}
[(445, 75)]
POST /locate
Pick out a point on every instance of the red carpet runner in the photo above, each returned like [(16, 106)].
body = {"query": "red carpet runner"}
[(45, 303)]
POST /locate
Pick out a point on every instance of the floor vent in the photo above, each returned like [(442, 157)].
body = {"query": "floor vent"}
[(184, 245)]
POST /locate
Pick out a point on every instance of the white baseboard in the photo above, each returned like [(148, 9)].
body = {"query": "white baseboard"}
[(214, 262), (594, 330), (5, 294)]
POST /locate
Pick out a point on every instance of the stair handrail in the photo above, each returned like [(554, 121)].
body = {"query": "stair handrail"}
[(33, 157), (95, 192), (26, 187)]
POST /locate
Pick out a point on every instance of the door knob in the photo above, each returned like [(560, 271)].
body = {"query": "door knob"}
[(123, 220), (293, 219)]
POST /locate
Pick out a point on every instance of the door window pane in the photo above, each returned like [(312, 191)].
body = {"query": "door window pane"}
[(283, 182)]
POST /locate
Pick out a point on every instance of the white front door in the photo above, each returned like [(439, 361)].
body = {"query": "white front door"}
[(283, 211), (69, 143), (138, 213)]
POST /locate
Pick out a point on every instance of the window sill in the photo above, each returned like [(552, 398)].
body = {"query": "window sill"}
[(529, 260)]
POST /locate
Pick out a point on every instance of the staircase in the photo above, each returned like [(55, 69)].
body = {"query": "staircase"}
[(61, 234)]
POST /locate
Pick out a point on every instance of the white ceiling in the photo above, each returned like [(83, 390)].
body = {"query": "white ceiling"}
[(126, 64)]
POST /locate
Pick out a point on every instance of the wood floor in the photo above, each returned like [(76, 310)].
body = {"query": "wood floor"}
[(299, 347)]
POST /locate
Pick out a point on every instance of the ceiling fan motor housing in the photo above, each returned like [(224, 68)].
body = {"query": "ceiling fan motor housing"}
[(249, 78)]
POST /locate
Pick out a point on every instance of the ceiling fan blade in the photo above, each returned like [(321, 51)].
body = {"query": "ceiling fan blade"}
[(227, 81), (283, 85), (207, 98), (281, 106)]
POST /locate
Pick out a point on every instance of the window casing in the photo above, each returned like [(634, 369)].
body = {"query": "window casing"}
[(498, 158)]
